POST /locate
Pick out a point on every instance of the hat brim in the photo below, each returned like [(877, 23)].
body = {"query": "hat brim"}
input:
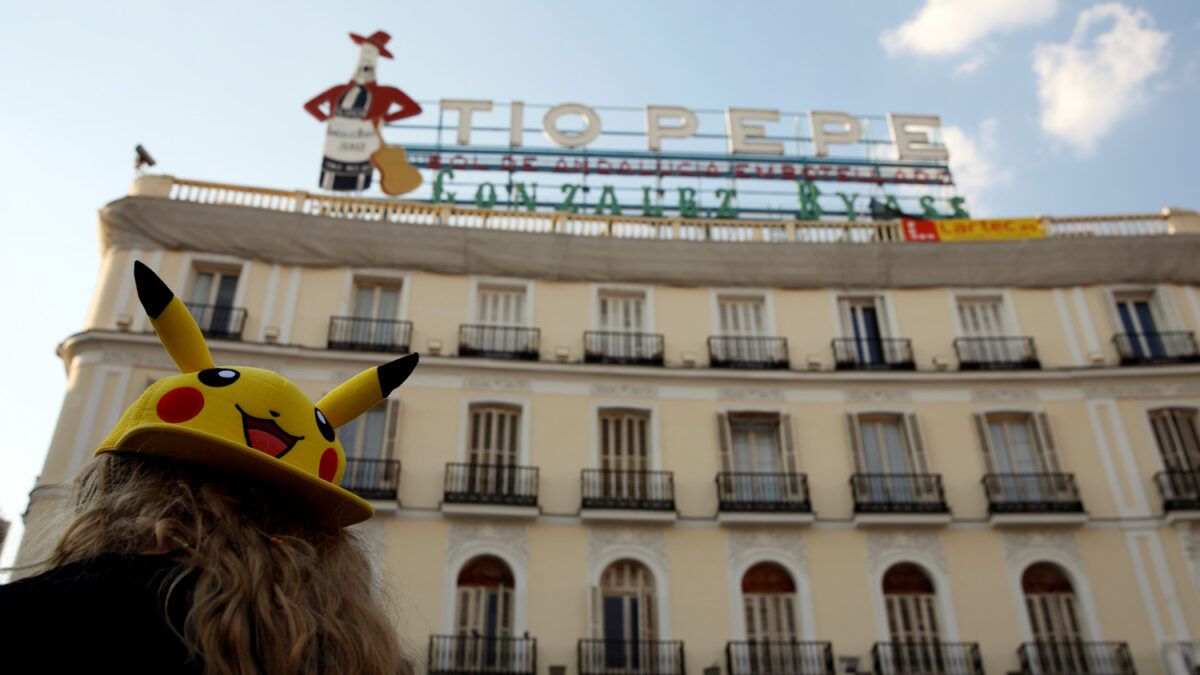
[(358, 40), (325, 501)]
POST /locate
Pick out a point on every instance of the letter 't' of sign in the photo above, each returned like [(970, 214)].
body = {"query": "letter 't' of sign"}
[(575, 140), (655, 131), (818, 121), (738, 131), (916, 144), (465, 108)]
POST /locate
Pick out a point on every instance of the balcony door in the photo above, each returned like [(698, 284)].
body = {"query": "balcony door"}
[(627, 616), (376, 307), (910, 603), (483, 614), (982, 321), (861, 319), (889, 447), (1136, 313), (619, 315), (1018, 446), (500, 314), (624, 455), (769, 604), (367, 440), (742, 319), (211, 300), (757, 449), (493, 449), (1054, 619)]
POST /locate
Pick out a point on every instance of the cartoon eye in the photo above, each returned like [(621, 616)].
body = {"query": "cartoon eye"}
[(324, 425), (218, 377)]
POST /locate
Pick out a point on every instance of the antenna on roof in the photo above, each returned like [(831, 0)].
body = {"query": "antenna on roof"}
[(143, 157)]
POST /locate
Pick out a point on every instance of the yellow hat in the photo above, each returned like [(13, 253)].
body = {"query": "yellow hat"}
[(249, 421)]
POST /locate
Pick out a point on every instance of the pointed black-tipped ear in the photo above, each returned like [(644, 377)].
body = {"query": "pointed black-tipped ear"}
[(152, 292), (393, 374)]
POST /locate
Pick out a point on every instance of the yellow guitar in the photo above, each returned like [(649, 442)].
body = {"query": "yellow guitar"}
[(396, 175)]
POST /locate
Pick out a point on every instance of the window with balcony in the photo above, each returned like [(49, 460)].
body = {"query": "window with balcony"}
[(623, 333), (1024, 473), (1175, 432), (758, 464), (988, 339), (1145, 334), (865, 344), (483, 639), (492, 473), (371, 471), (891, 469), (744, 339), (624, 478), (374, 324), (1059, 645), (911, 608), (624, 620), (501, 325), (211, 303), (772, 643)]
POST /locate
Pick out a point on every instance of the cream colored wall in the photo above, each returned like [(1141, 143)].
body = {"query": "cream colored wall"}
[(684, 317), (438, 320), (806, 319), (924, 316)]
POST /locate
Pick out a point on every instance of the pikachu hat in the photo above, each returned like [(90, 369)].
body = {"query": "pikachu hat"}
[(248, 421)]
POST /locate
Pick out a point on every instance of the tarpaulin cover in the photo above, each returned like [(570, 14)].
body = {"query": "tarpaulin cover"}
[(320, 241)]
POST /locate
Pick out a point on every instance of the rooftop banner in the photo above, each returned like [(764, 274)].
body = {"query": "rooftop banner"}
[(972, 230)]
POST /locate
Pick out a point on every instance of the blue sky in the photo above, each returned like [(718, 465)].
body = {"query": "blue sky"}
[(1049, 107)]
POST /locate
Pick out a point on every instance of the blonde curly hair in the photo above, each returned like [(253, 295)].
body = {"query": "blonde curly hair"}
[(274, 591)]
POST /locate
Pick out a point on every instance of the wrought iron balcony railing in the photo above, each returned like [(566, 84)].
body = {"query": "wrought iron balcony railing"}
[(996, 353), (372, 478), (924, 658), (1075, 658), (491, 484), (223, 322), (1032, 493), (499, 342), (638, 349), (1140, 349), (623, 489), (476, 654), (787, 492), (369, 335), (737, 351), (779, 658), (898, 493), (630, 657), (873, 354), (1180, 490)]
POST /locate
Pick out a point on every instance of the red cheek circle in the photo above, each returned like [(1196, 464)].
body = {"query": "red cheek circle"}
[(180, 405), (329, 465)]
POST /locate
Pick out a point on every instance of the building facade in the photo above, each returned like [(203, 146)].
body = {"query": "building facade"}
[(665, 445)]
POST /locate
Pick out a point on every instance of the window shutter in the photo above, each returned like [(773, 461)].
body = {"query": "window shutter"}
[(860, 466), (1046, 446), (393, 420), (916, 445), (595, 614), (650, 614), (787, 447), (726, 439), (506, 612), (985, 441)]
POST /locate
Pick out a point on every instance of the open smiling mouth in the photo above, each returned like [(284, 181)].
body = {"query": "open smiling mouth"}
[(265, 435)]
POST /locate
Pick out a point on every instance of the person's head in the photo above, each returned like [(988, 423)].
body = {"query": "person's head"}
[(274, 591)]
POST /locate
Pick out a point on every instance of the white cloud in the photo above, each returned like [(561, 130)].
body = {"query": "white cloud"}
[(971, 163), (1087, 84), (951, 26), (971, 65)]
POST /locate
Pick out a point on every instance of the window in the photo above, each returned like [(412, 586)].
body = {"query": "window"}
[(211, 301), (1178, 441), (500, 305), (621, 311), (1019, 449), (769, 601), (363, 437), (1136, 312), (889, 450), (368, 440), (758, 449), (624, 616), (376, 310), (624, 454), (1054, 620), (744, 334), (741, 315), (865, 337), (1148, 329), (483, 615), (982, 316), (910, 604), (493, 451)]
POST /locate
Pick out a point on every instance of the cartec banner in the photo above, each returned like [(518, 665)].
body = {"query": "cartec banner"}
[(972, 230)]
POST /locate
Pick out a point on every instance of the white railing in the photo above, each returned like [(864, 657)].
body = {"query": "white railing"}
[(625, 227)]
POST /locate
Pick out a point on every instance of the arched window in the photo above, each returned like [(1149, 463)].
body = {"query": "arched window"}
[(911, 606), (769, 600), (624, 615), (1054, 618), (485, 598)]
